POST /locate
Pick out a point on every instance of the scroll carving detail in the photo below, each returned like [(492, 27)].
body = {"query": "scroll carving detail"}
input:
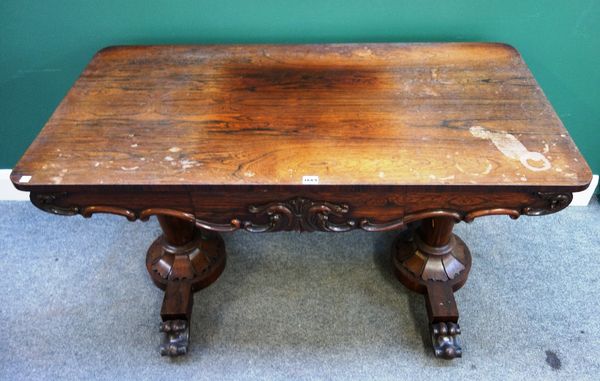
[(300, 214), (47, 203), (553, 202)]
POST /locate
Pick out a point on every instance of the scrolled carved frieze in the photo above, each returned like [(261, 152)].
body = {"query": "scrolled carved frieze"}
[(301, 214)]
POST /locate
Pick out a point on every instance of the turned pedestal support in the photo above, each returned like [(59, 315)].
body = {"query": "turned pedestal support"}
[(434, 262), (182, 261)]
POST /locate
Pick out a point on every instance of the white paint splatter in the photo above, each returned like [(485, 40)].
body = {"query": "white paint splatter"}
[(249, 174), (381, 174), (169, 158), (134, 145), (512, 148), (129, 168), (97, 164), (488, 169), (546, 148), (186, 164), (429, 91), (174, 149), (363, 52), (451, 177)]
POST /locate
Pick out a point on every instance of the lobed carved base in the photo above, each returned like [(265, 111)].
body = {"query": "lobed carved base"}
[(199, 262), (417, 265)]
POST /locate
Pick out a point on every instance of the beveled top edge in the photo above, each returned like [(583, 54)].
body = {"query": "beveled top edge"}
[(296, 187)]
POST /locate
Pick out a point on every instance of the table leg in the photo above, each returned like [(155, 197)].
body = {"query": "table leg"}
[(430, 260), (183, 260)]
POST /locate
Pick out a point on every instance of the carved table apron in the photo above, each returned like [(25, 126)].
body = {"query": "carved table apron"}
[(414, 138)]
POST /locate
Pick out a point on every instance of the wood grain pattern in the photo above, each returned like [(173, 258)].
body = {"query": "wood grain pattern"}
[(457, 114)]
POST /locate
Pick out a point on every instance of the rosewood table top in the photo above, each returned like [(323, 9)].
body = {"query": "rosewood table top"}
[(210, 139), (460, 114)]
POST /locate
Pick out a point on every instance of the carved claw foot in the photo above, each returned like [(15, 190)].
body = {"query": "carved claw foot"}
[(176, 337), (445, 340), (182, 261), (435, 263)]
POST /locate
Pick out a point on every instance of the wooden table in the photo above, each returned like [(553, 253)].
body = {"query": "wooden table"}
[(211, 139)]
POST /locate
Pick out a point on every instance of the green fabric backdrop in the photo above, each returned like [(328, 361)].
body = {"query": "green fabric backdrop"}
[(45, 44)]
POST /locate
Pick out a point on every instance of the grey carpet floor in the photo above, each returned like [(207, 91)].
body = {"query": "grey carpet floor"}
[(76, 303)]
